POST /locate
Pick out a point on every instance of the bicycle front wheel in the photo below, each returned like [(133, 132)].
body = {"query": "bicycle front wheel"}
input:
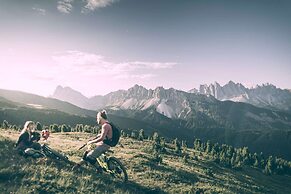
[(117, 169)]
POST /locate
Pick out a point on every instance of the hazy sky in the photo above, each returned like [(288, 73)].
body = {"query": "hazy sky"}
[(99, 46)]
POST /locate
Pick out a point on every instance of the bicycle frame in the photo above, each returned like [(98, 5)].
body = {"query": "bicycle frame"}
[(103, 163)]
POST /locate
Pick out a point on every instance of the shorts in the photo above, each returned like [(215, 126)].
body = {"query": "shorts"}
[(93, 154)]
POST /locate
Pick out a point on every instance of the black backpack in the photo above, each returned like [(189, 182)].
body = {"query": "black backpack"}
[(115, 136)]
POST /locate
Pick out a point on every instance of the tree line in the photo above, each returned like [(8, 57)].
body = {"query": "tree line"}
[(56, 128), (225, 155)]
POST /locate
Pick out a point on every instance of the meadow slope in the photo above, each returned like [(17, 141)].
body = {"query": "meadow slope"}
[(198, 175)]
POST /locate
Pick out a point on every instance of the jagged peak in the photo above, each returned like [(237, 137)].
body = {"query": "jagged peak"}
[(231, 82), (203, 85), (266, 85), (60, 89), (216, 83), (160, 88), (136, 87)]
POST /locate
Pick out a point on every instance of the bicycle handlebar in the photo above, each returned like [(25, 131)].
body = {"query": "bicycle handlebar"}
[(82, 146), (93, 138)]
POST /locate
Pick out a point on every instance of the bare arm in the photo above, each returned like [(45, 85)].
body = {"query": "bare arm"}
[(92, 138)]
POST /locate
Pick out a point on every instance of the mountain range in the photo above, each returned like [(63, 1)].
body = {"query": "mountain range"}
[(194, 110), (267, 95)]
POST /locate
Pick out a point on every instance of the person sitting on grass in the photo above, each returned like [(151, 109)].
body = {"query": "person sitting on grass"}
[(28, 138)]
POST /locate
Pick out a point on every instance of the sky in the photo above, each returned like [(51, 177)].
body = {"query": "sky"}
[(100, 46)]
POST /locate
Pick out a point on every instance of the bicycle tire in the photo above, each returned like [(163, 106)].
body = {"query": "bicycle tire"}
[(54, 154), (119, 171)]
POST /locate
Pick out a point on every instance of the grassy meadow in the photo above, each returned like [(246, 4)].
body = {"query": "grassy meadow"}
[(174, 174)]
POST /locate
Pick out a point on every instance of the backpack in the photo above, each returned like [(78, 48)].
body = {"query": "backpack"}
[(115, 136)]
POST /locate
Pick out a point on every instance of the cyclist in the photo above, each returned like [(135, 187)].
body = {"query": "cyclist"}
[(100, 141)]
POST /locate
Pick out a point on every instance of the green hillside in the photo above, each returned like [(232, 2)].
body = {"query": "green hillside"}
[(46, 103), (175, 174)]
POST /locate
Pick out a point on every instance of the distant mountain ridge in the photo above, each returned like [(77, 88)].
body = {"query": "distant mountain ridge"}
[(195, 109), (138, 97), (267, 95), (169, 102)]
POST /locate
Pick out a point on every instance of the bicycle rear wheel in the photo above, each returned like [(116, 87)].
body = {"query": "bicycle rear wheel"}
[(117, 169)]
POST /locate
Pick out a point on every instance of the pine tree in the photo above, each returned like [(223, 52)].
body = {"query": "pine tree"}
[(215, 150), (246, 155), (163, 144), (156, 137), (184, 144), (262, 161), (208, 147), (270, 166), (256, 163), (156, 143), (38, 126), (157, 148), (197, 144), (232, 161), (123, 134), (54, 128), (5, 124), (64, 128), (141, 135), (133, 135), (202, 147), (177, 145), (87, 129)]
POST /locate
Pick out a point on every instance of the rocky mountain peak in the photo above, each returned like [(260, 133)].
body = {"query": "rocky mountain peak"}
[(69, 95), (137, 91)]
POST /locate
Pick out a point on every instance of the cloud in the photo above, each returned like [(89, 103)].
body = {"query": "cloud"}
[(136, 76), (65, 6), (40, 11), (152, 65), (92, 5), (90, 64), (77, 58)]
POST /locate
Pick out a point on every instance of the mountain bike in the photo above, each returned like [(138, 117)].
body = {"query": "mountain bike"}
[(48, 152), (110, 165), (51, 153)]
